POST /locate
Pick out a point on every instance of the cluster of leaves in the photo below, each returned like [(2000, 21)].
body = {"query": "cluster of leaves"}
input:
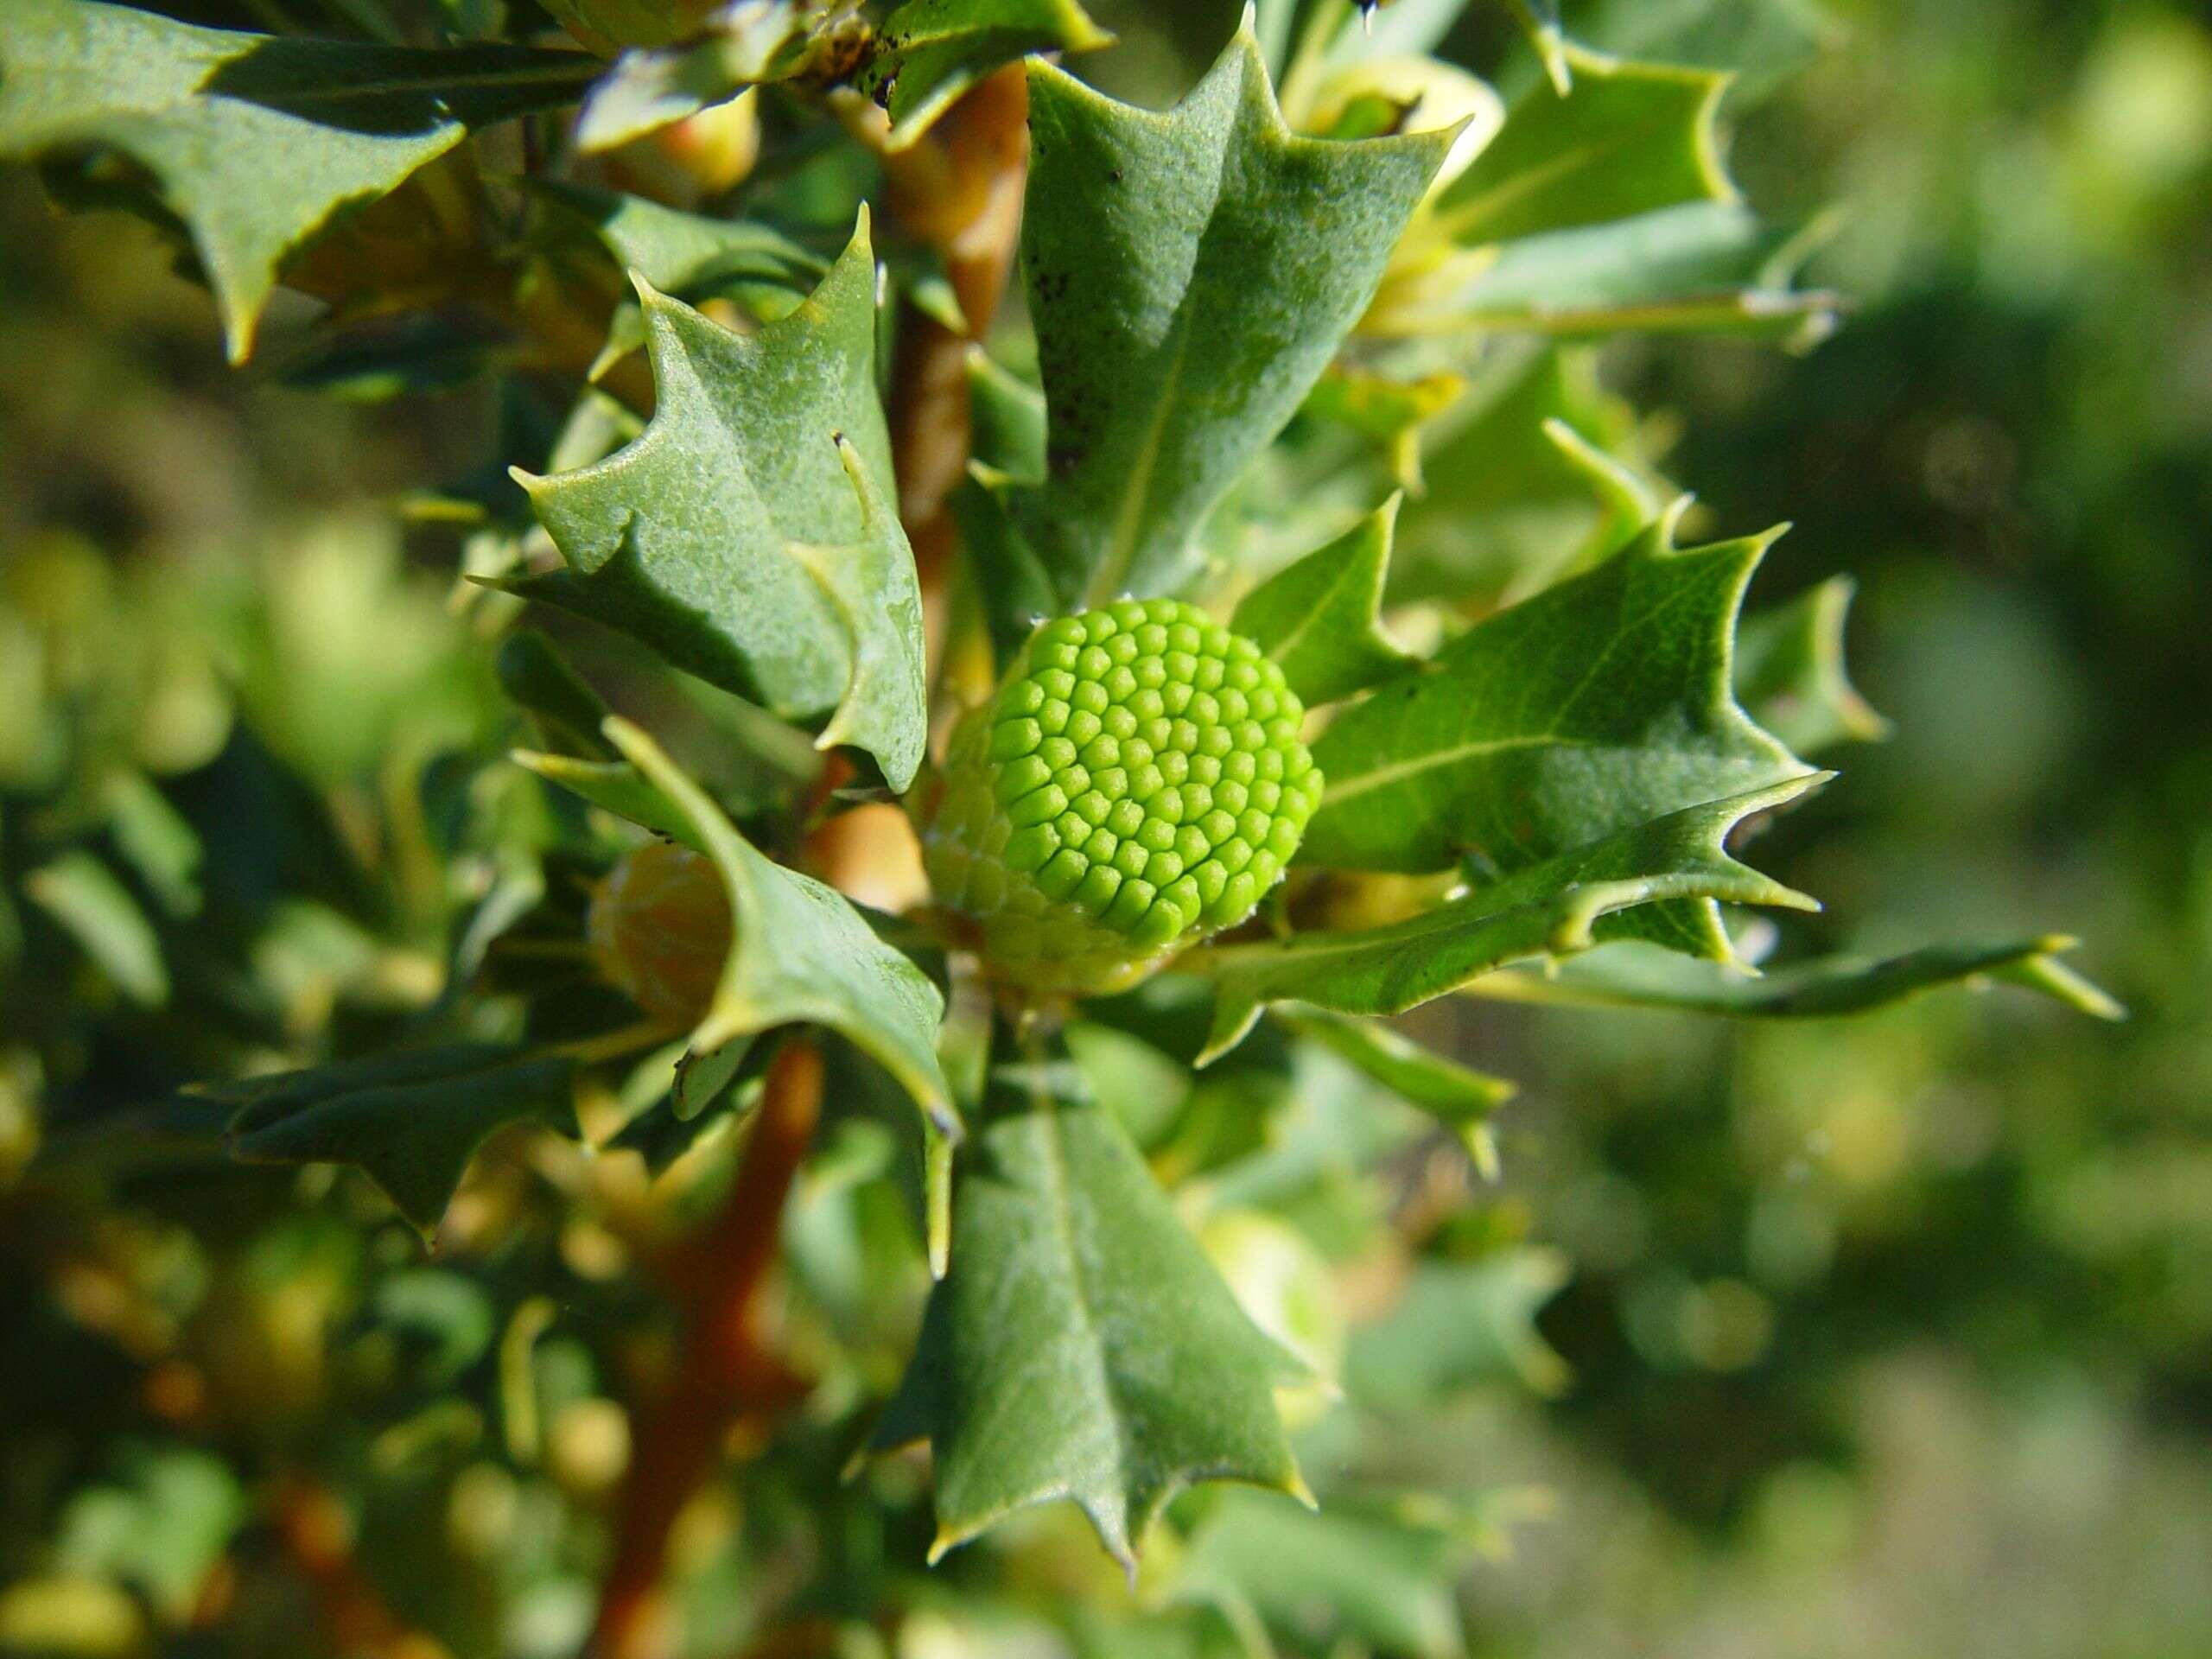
[(1251, 322)]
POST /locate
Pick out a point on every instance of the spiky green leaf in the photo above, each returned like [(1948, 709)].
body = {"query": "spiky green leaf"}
[(411, 1121), (1082, 1347), (734, 535), (1191, 274), (1600, 703)]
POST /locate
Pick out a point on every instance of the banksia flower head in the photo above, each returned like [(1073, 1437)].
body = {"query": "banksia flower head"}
[(1136, 783)]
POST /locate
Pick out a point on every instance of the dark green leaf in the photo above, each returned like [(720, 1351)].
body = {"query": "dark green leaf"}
[(1082, 1347), (1600, 703), (411, 1121), (252, 141)]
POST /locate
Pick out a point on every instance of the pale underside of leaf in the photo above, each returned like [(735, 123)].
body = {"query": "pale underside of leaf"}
[(1631, 974)]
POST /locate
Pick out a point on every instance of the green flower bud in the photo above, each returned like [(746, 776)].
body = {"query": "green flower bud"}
[(1137, 784)]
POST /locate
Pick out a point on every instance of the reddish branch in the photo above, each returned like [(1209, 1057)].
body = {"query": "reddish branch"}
[(317, 1537), (727, 1371)]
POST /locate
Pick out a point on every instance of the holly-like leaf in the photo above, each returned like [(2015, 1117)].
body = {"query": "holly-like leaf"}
[(1548, 909), (929, 52), (252, 141), (736, 535), (800, 955), (411, 1121), (1631, 974), (1790, 672), (1600, 703), (1707, 267), (1320, 619), (1459, 1324), (1630, 137), (1459, 1098), (1191, 274), (1081, 1346), (1600, 207)]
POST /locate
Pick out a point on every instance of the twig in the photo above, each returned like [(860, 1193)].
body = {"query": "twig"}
[(726, 1373), (317, 1537)]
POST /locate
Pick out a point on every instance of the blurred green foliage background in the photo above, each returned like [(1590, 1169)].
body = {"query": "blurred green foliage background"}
[(1893, 1336)]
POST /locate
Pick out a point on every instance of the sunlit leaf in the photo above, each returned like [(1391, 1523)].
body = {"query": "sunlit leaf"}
[(734, 535), (1597, 704)]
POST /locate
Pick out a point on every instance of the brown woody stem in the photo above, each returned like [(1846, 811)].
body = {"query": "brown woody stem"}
[(727, 1372)]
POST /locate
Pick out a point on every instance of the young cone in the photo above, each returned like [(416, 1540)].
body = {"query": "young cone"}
[(1136, 784)]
